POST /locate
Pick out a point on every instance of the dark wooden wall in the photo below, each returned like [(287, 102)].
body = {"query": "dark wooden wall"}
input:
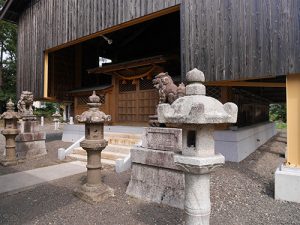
[(239, 39), (227, 39), (49, 23)]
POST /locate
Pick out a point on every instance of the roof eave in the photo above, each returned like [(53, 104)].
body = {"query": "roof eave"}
[(5, 10)]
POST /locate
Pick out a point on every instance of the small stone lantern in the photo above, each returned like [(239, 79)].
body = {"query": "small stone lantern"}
[(197, 114), (56, 117), (94, 190), (10, 132)]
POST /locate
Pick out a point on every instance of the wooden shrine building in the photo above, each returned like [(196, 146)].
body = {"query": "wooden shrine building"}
[(249, 51), (68, 48)]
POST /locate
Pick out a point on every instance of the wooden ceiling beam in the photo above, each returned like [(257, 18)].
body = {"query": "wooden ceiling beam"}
[(245, 84)]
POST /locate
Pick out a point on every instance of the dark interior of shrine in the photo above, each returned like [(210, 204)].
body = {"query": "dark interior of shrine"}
[(68, 67)]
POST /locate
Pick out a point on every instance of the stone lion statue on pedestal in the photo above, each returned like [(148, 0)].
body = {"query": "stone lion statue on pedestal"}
[(168, 91), (25, 103)]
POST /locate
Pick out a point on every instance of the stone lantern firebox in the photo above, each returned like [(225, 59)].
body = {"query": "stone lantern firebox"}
[(196, 114), (94, 190), (10, 132)]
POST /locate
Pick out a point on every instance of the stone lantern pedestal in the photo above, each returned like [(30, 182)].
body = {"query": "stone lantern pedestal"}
[(10, 132), (31, 141), (93, 190), (196, 114)]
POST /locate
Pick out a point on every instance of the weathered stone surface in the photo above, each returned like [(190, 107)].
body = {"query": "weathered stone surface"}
[(156, 184), (162, 159), (10, 132), (166, 139), (94, 190), (31, 136), (197, 109), (196, 114), (94, 195), (31, 149)]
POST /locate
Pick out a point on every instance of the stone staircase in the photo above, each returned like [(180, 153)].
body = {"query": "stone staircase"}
[(119, 145)]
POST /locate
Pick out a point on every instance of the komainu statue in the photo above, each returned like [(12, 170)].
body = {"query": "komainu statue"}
[(168, 91), (25, 103)]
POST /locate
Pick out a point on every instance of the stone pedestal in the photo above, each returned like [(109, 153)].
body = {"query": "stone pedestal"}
[(31, 143), (154, 175), (10, 147)]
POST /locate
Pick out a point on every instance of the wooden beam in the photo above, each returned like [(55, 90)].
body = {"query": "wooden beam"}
[(150, 16), (46, 74), (245, 84), (128, 65)]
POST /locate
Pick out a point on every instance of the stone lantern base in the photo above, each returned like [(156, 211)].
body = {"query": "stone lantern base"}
[(5, 162), (94, 194)]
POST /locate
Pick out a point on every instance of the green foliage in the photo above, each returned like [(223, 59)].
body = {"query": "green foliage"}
[(277, 112), (280, 125), (8, 43), (47, 111)]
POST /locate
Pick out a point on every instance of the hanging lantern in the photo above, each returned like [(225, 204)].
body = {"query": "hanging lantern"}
[(134, 81)]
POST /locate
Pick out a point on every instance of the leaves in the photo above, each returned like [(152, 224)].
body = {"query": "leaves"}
[(8, 43), (278, 112)]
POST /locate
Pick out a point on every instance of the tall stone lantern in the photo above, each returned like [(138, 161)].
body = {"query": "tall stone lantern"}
[(10, 132), (93, 190), (197, 114)]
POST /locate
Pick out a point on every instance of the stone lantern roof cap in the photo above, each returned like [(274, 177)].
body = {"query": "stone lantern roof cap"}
[(56, 114), (195, 107), (93, 115), (10, 113)]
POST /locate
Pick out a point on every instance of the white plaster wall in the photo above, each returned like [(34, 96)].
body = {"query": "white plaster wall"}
[(237, 145)]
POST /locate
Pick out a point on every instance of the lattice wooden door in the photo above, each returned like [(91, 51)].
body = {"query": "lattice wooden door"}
[(136, 102)]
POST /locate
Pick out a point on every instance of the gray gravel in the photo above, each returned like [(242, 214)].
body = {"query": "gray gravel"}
[(241, 193), (53, 142)]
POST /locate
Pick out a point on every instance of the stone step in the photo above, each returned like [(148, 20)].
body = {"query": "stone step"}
[(123, 139), (79, 153), (83, 158)]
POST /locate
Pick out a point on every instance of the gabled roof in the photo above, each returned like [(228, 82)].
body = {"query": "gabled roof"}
[(12, 9)]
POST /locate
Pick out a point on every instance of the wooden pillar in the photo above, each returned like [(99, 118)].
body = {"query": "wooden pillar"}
[(293, 120), (226, 94), (45, 74)]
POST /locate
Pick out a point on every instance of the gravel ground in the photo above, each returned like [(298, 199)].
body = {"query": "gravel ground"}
[(241, 193), (53, 142)]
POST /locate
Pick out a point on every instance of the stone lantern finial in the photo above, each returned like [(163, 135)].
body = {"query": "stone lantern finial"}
[(93, 115), (10, 106)]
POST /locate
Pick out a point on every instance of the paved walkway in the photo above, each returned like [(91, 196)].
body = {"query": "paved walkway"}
[(16, 182)]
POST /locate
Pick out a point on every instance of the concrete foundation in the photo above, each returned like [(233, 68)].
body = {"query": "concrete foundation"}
[(236, 145), (287, 183)]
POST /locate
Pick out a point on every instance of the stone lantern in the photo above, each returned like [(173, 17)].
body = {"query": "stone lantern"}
[(94, 190), (10, 132), (197, 114), (56, 117)]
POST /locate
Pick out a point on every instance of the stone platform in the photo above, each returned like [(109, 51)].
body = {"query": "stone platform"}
[(31, 143), (154, 176)]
